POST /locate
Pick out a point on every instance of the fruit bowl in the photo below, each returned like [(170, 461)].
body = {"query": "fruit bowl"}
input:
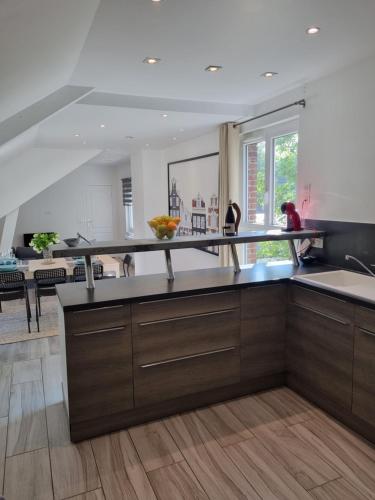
[(164, 226)]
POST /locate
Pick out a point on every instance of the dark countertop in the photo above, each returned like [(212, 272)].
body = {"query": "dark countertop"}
[(109, 292)]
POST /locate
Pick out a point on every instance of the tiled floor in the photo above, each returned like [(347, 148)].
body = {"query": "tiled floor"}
[(273, 445)]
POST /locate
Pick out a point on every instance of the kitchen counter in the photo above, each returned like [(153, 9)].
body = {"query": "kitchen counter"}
[(75, 296)]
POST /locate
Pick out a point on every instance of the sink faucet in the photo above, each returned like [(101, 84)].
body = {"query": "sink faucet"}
[(350, 257)]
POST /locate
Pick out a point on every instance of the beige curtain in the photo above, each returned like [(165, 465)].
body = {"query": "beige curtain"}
[(229, 176)]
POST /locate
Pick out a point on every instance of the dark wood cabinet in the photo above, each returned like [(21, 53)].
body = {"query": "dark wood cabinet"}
[(263, 331), (100, 372), (364, 366), (320, 347)]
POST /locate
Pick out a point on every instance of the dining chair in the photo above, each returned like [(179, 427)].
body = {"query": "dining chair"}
[(13, 286), (45, 285), (126, 263), (79, 272)]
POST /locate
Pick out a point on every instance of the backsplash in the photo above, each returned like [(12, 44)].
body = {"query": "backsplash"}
[(343, 238)]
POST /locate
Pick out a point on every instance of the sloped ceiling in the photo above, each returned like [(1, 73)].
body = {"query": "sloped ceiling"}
[(40, 43)]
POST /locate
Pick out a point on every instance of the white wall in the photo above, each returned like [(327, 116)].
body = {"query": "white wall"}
[(337, 137), (59, 208), (150, 185), (33, 170)]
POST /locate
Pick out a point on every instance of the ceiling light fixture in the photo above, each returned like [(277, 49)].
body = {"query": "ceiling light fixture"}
[(174, 138), (130, 137), (147, 145), (213, 68), (269, 74), (76, 135), (151, 60), (102, 125), (313, 30), (156, 1), (164, 115)]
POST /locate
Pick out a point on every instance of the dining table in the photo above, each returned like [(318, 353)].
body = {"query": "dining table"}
[(111, 265)]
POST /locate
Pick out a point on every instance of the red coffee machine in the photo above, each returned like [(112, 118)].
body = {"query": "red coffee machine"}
[(293, 219)]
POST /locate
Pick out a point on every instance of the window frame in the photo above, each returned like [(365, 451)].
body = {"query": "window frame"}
[(268, 135)]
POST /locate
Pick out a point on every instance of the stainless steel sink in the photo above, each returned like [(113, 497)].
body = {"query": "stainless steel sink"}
[(346, 282)]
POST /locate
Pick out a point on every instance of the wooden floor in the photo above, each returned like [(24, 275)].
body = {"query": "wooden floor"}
[(270, 446)]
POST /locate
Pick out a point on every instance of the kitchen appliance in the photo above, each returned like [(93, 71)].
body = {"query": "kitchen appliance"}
[(232, 221)]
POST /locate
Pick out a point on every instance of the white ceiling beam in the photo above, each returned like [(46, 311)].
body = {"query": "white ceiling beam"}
[(41, 111), (165, 104)]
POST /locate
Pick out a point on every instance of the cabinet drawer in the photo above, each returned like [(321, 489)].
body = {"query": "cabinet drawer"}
[(185, 306), (322, 303), (193, 374), (364, 375), (100, 379), (97, 319), (262, 301), (320, 352), (262, 346), (365, 318), (173, 338)]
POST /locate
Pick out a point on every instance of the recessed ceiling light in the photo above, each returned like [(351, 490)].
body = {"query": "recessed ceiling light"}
[(102, 125), (213, 69), (147, 145), (312, 30), (164, 115), (130, 137), (156, 1), (76, 135), (174, 138), (269, 74), (151, 60), (84, 142)]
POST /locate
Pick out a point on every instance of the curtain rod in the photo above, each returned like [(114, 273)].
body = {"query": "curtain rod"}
[(302, 103)]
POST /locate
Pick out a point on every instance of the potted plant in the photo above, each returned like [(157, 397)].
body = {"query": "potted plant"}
[(42, 242)]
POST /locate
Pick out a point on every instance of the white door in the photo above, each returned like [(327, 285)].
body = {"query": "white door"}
[(99, 212)]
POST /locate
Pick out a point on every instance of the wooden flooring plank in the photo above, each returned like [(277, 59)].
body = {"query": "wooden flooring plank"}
[(155, 446), (73, 466), (5, 382), (339, 489), (306, 466), (348, 454), (289, 408), (217, 474), (267, 476), (3, 443), (91, 495), (224, 425), (176, 482), (52, 380), (121, 471), (28, 476), (54, 345), (26, 371), (27, 428)]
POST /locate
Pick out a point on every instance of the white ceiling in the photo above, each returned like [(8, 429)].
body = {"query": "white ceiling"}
[(246, 37), (42, 41)]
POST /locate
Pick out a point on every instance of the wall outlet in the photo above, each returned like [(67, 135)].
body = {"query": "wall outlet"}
[(317, 242)]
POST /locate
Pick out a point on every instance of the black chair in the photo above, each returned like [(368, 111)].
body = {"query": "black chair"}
[(45, 281), (13, 286), (126, 263), (79, 273)]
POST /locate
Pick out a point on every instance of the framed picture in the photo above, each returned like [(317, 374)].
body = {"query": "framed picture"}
[(193, 195)]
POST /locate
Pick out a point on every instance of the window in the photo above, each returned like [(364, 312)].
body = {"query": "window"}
[(127, 201), (270, 161)]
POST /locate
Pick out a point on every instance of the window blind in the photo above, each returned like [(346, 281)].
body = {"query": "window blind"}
[(127, 193)]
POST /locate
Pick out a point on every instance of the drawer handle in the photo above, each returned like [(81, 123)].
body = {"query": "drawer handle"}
[(367, 332), (104, 330), (180, 318), (192, 356), (97, 309), (323, 315), (184, 297)]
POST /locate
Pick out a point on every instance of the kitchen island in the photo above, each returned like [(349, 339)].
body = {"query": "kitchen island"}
[(142, 348)]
